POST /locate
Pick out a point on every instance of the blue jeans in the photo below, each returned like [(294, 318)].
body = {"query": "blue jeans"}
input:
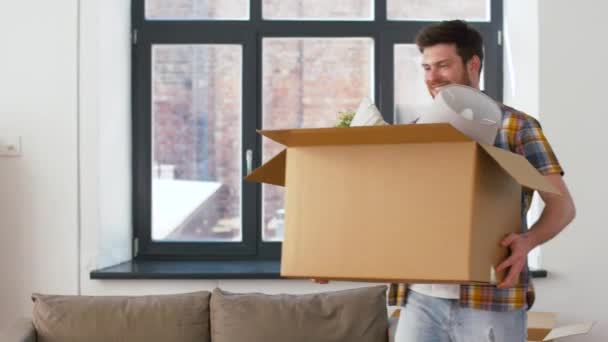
[(430, 319)]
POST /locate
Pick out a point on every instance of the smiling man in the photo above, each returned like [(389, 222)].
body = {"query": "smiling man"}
[(453, 53)]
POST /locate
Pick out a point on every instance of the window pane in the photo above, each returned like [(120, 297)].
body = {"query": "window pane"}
[(471, 10), (196, 132), (306, 83), (197, 9), (411, 95), (317, 9)]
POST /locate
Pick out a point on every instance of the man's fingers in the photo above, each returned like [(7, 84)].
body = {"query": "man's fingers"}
[(511, 277), (320, 281), (508, 240), (507, 263), (508, 281)]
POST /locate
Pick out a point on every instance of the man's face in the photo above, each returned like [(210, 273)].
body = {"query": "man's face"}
[(442, 66)]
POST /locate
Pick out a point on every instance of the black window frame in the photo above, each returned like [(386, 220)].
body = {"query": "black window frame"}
[(249, 33)]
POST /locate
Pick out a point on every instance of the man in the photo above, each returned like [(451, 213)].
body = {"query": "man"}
[(452, 52)]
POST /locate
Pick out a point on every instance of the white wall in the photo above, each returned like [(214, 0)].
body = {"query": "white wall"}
[(105, 135), (572, 86), (38, 191)]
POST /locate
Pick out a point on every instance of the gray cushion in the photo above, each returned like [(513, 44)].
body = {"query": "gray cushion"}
[(357, 315), (182, 317)]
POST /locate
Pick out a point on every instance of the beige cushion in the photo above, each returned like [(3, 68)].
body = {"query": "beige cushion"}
[(357, 315), (182, 317)]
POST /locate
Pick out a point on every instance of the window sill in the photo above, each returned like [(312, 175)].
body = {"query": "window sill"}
[(180, 269), (539, 273)]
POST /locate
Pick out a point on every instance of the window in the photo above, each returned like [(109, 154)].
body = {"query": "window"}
[(208, 74)]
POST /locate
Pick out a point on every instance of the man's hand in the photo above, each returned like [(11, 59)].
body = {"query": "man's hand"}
[(558, 213), (320, 281), (520, 245)]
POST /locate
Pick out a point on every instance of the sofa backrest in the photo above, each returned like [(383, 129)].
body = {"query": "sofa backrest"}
[(182, 317), (356, 315)]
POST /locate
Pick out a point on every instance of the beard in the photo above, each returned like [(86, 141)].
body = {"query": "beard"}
[(464, 79)]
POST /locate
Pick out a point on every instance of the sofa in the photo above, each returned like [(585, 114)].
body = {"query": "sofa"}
[(349, 315)]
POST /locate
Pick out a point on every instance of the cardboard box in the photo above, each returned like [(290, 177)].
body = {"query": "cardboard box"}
[(541, 327), (419, 203)]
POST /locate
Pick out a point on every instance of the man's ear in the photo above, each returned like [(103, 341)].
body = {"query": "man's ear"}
[(474, 65)]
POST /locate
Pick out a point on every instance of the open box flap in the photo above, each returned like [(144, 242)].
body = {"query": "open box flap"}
[(520, 169)]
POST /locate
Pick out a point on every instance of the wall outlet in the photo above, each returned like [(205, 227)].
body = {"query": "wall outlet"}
[(10, 146)]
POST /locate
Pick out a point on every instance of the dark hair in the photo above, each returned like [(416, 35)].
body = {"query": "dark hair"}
[(468, 40)]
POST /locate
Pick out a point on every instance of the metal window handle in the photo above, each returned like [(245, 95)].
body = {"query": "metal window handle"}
[(249, 160)]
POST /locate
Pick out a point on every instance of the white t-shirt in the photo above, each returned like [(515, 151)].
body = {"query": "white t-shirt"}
[(448, 291)]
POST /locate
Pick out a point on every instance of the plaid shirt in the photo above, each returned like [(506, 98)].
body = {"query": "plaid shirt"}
[(522, 134)]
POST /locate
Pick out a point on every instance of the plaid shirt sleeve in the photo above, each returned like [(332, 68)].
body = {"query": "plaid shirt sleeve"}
[(530, 141)]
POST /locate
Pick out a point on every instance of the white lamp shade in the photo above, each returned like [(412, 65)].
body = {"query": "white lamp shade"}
[(468, 110)]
